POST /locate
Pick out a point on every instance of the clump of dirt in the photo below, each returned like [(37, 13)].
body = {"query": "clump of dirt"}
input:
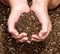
[(28, 23)]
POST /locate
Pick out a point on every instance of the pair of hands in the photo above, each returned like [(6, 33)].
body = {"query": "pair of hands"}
[(43, 18)]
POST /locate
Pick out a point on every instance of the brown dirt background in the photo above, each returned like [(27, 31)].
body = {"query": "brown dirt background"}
[(9, 45)]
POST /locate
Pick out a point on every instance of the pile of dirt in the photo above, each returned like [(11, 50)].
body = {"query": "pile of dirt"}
[(28, 23)]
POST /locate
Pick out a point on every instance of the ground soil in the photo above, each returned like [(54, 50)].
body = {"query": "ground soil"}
[(30, 24)]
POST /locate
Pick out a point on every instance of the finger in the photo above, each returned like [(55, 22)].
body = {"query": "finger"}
[(42, 33), (14, 32), (29, 42), (22, 35), (35, 37), (23, 39), (35, 40)]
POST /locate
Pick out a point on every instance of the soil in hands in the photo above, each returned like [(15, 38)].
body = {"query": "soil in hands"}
[(29, 23)]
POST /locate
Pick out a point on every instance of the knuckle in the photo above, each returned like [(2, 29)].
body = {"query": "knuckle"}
[(45, 31), (10, 31), (20, 41), (42, 39)]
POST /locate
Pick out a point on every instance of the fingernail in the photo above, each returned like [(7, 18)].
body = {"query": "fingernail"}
[(24, 34), (29, 42), (25, 38)]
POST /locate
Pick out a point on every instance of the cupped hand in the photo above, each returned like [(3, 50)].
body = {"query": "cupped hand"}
[(43, 17), (13, 19)]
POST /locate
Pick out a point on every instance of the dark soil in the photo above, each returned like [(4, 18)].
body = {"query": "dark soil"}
[(29, 23)]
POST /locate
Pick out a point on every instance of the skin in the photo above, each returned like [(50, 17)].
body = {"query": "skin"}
[(40, 7)]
